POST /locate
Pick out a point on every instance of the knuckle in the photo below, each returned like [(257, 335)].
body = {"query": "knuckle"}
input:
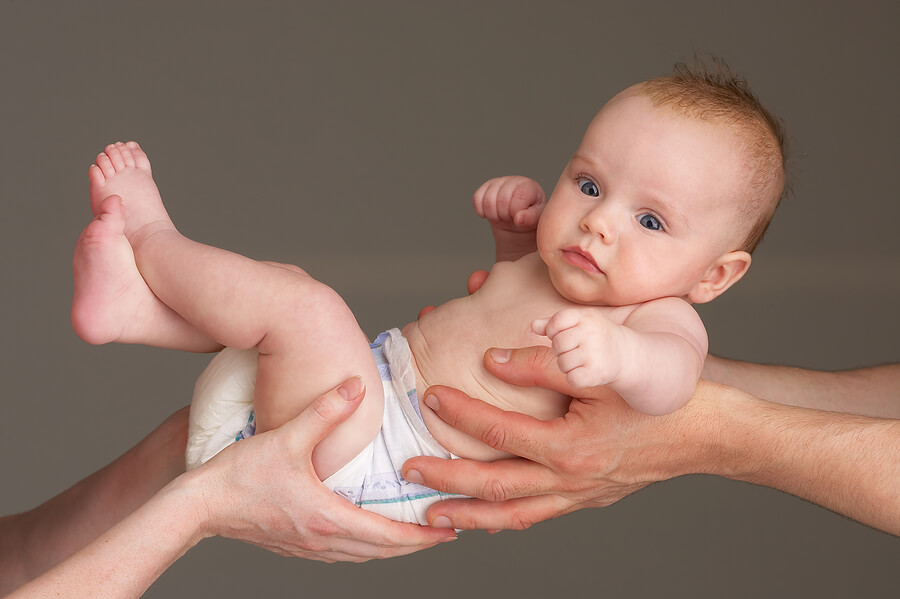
[(520, 521), (570, 463), (520, 194), (542, 359), (323, 410), (494, 490), (495, 436)]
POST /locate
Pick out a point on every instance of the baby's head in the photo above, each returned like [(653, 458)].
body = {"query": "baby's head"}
[(672, 187)]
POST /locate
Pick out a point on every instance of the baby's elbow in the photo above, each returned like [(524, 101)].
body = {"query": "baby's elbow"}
[(660, 406), (665, 400)]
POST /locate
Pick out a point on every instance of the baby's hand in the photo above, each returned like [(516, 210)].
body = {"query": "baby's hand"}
[(588, 345), (510, 203)]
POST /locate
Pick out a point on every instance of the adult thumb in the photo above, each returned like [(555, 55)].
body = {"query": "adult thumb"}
[(527, 367), (321, 417)]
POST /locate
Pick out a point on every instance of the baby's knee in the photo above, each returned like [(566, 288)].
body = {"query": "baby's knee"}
[(311, 303)]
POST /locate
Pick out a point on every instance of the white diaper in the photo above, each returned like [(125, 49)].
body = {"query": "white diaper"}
[(222, 412), (222, 405)]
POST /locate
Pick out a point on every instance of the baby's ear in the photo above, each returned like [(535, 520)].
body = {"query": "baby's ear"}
[(725, 272)]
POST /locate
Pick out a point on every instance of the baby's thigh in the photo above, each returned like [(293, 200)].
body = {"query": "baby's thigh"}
[(314, 347)]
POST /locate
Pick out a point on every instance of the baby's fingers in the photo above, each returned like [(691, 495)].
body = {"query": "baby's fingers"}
[(570, 362), (539, 326), (561, 321), (566, 340), (485, 200)]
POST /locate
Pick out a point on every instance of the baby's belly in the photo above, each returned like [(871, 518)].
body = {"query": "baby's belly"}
[(453, 357)]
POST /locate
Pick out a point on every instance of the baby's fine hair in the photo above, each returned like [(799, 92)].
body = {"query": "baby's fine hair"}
[(709, 90)]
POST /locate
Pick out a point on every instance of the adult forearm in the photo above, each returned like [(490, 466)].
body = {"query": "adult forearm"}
[(865, 391), (847, 463), (35, 541), (127, 559)]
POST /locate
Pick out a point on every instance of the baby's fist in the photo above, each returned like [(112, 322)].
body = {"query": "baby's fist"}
[(511, 203), (586, 343)]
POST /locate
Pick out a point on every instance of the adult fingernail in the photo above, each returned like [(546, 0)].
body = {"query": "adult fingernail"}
[(432, 402), (500, 356), (448, 539), (442, 522), (352, 388), (414, 476)]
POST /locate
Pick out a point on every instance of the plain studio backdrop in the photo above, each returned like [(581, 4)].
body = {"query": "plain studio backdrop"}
[(347, 138)]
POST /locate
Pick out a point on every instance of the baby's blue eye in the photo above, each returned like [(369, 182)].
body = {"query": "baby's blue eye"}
[(648, 221), (588, 188)]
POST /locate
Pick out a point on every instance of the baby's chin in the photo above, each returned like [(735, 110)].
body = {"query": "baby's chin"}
[(577, 295), (593, 297)]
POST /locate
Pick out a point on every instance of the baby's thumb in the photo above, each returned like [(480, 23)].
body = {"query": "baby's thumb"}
[(529, 217)]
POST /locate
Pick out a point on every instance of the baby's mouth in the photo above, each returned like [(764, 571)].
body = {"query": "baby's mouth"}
[(577, 257)]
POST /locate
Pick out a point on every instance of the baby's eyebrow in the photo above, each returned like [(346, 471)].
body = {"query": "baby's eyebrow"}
[(584, 158), (676, 214)]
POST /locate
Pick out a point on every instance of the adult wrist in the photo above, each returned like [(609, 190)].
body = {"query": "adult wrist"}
[(715, 430), (188, 497)]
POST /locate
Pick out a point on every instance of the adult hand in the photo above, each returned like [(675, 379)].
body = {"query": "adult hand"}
[(264, 490), (598, 453)]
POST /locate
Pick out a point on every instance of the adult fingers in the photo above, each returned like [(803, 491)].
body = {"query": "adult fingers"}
[(352, 550), (361, 552), (515, 514), (344, 532), (382, 537), (314, 423), (510, 432), (494, 481), (527, 367), (476, 280), (537, 367)]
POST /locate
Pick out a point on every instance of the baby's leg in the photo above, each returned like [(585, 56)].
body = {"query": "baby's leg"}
[(307, 337), (111, 301)]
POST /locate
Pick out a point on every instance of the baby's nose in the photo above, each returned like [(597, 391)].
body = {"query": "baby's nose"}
[(601, 221)]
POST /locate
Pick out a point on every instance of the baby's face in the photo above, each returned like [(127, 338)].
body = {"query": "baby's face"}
[(644, 207)]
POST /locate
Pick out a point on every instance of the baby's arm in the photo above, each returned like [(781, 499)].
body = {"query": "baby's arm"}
[(513, 206), (653, 359)]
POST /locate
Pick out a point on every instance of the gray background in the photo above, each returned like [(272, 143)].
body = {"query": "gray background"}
[(348, 138)]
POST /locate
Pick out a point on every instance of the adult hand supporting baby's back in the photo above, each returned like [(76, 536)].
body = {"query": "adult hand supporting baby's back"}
[(598, 453)]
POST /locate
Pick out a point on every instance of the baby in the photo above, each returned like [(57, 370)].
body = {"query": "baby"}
[(671, 188)]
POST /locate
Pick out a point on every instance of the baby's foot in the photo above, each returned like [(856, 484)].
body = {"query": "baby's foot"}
[(110, 295), (123, 169)]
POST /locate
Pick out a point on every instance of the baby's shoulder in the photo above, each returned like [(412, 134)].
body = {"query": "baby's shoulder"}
[(664, 308), (670, 314)]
